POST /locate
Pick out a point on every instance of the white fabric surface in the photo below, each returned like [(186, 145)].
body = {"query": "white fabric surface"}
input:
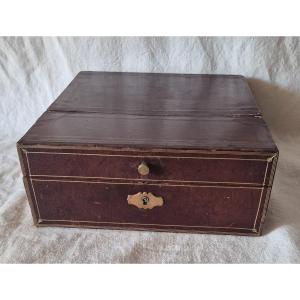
[(34, 71)]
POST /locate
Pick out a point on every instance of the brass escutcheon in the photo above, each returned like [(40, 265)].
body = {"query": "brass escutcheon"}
[(144, 200)]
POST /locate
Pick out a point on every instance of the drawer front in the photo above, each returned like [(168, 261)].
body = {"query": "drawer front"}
[(229, 209), (162, 168)]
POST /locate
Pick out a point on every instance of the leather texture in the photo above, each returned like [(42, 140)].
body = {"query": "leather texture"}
[(161, 168), (215, 133), (157, 94), (215, 112), (195, 208), (209, 152)]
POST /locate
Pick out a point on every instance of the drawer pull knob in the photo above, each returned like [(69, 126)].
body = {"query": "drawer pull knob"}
[(143, 169), (144, 200)]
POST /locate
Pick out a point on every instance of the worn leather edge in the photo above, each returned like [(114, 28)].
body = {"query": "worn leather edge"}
[(149, 181), (268, 195), (27, 186), (42, 223), (90, 147)]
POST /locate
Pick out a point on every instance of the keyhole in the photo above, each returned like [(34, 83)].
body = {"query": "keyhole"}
[(145, 200)]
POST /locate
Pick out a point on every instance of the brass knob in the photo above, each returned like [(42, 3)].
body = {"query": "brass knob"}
[(145, 200), (143, 169)]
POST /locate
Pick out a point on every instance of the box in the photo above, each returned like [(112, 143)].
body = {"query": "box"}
[(144, 151)]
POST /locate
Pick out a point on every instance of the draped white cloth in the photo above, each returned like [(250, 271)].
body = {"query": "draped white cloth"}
[(34, 71)]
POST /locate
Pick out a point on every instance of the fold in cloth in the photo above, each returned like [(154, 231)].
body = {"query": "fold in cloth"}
[(34, 71)]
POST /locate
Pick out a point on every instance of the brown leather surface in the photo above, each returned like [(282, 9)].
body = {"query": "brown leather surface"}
[(184, 206), (215, 133), (157, 94), (155, 110), (210, 154), (167, 167), (189, 188)]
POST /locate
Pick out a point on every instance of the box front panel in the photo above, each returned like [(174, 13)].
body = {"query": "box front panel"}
[(184, 207), (163, 168), (68, 199)]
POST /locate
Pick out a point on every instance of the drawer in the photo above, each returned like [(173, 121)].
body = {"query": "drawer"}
[(162, 168), (184, 208)]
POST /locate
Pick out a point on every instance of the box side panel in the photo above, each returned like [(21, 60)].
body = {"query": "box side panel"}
[(270, 180), (27, 183)]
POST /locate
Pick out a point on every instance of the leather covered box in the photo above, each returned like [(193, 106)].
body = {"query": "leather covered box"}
[(165, 152)]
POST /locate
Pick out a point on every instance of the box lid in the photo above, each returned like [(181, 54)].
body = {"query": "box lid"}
[(157, 94), (215, 112)]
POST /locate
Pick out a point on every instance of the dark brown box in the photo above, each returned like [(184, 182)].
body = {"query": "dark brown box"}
[(165, 152)]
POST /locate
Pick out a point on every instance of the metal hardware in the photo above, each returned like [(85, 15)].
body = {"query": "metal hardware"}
[(143, 169), (144, 200)]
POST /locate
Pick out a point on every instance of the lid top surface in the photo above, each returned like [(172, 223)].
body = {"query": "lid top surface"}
[(157, 94), (146, 110)]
